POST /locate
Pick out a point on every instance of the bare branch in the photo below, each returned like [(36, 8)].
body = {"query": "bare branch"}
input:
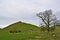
[(47, 18)]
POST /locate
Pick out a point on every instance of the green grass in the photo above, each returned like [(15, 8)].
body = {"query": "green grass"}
[(28, 32)]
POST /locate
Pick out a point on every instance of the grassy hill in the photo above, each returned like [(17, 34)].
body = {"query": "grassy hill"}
[(25, 31), (21, 26)]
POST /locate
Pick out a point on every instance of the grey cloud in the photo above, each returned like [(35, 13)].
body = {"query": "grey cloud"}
[(25, 10)]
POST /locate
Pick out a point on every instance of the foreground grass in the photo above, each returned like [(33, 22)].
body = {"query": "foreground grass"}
[(27, 35)]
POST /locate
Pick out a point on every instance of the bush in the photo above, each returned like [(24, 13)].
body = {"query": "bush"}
[(11, 31)]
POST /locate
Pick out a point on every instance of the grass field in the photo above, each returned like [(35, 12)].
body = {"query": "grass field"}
[(27, 32)]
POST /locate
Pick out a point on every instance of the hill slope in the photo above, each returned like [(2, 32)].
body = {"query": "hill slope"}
[(25, 31), (21, 26)]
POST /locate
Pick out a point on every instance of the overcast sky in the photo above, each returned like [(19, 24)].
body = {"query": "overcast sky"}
[(25, 10)]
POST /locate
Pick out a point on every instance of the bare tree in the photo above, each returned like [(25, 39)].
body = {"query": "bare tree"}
[(48, 19)]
